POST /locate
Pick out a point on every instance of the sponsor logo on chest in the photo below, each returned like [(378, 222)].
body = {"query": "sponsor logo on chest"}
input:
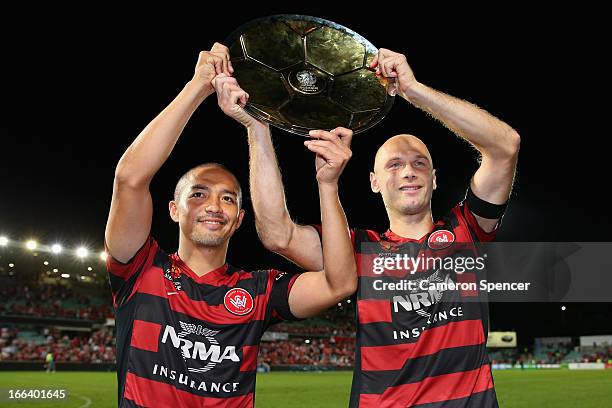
[(198, 343)]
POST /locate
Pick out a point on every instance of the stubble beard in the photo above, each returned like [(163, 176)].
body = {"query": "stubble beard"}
[(206, 239)]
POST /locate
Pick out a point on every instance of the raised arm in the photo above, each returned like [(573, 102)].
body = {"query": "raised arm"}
[(314, 292), (130, 217), (299, 243), (496, 141), (334, 259)]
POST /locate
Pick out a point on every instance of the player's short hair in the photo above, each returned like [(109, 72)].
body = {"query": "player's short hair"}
[(182, 182)]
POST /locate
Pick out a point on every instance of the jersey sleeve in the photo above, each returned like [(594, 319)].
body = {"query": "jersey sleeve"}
[(278, 306), (123, 277), (466, 216)]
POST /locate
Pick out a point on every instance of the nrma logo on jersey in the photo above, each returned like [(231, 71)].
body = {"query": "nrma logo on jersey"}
[(198, 346), (419, 299)]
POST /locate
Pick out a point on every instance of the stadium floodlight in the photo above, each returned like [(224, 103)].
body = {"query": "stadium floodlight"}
[(103, 255), (82, 252), (31, 245), (65, 275), (56, 248), (3, 241)]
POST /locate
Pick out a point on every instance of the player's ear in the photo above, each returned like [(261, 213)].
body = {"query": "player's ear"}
[(374, 183), (173, 208), (434, 179), (240, 217)]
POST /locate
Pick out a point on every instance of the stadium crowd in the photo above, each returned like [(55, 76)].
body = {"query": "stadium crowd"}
[(55, 301), (335, 322), (552, 354), (96, 347), (334, 351)]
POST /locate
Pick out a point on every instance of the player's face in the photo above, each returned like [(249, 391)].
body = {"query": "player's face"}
[(208, 212), (404, 175)]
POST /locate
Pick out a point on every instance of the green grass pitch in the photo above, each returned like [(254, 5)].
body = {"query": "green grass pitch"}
[(515, 389)]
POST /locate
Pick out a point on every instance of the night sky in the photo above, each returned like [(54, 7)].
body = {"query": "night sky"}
[(75, 95)]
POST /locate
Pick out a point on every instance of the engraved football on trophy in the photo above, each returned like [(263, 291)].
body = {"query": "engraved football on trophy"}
[(305, 73)]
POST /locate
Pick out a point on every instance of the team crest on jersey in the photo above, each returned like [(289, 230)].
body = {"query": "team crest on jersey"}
[(173, 274), (238, 301), (441, 239)]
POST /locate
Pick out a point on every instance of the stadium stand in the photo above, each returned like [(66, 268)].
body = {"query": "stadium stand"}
[(71, 315)]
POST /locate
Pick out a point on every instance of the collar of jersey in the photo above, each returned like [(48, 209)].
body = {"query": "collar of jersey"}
[(393, 237), (208, 277)]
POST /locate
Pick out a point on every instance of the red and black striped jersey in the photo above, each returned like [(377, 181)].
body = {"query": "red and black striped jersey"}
[(416, 346), (185, 340)]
